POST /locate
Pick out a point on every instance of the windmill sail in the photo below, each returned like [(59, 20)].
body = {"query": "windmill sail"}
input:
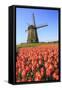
[(41, 26), (34, 20)]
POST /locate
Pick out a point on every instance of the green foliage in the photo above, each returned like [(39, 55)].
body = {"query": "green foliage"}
[(30, 74), (19, 75), (33, 44)]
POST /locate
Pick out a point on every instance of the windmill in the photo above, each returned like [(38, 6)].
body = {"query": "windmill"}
[(32, 32)]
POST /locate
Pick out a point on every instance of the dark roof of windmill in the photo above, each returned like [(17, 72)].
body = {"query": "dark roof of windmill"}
[(31, 27)]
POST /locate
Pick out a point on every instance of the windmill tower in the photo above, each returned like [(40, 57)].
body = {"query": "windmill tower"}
[(32, 32)]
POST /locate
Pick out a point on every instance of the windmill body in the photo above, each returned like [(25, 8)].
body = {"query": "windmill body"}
[(32, 32)]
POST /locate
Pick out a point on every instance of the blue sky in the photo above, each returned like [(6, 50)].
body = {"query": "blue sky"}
[(42, 16)]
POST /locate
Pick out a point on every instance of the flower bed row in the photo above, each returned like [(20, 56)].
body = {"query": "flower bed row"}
[(39, 63)]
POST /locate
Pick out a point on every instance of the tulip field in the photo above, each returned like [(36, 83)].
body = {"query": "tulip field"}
[(39, 63)]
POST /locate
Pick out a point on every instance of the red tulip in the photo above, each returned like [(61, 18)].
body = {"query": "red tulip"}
[(43, 57)]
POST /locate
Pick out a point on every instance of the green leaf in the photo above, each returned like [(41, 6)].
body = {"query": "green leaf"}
[(38, 69), (19, 75), (30, 74)]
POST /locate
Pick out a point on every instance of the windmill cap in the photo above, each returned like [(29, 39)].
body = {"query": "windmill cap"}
[(31, 27)]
